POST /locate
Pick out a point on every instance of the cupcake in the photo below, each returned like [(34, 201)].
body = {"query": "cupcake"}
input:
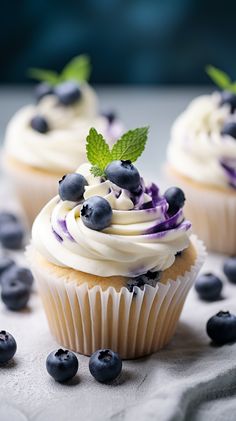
[(114, 259), (46, 140), (202, 160)]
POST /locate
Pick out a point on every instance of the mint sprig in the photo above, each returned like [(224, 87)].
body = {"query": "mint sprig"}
[(129, 147), (221, 79), (78, 69)]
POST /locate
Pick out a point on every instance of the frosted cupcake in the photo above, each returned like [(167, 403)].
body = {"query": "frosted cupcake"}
[(202, 160), (47, 139), (114, 260)]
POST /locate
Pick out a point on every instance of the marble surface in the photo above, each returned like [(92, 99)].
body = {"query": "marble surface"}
[(189, 380)]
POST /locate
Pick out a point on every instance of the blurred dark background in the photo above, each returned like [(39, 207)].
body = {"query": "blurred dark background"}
[(129, 41)]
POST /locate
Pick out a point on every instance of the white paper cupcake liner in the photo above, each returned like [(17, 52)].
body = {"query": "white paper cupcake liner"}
[(33, 188), (212, 213), (133, 324)]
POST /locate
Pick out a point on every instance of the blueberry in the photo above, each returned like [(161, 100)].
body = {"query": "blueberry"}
[(96, 213), (208, 287), (7, 346), (221, 328), (18, 273), (12, 235), (229, 129), (62, 365), (39, 124), (72, 187), (124, 174), (110, 116), (149, 278), (229, 269), (7, 217), (15, 294), (43, 89), (5, 263), (68, 92), (175, 198), (105, 365), (230, 99)]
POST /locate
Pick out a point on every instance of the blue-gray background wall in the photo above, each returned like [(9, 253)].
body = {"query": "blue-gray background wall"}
[(129, 41)]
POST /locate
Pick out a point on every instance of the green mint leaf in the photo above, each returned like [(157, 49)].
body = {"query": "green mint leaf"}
[(78, 69), (52, 78), (232, 88), (131, 145), (97, 172), (219, 77), (98, 152)]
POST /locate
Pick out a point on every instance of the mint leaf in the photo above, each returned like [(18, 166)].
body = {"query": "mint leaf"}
[(98, 152), (44, 75), (219, 77), (78, 69), (97, 172), (131, 145), (232, 88)]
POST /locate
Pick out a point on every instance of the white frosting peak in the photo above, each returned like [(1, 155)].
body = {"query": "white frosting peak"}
[(197, 148)]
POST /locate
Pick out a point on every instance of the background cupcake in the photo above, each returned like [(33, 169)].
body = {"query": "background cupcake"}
[(46, 140), (202, 160), (114, 259)]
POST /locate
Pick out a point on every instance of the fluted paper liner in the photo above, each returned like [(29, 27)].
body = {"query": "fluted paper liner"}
[(33, 188), (133, 324), (212, 213)]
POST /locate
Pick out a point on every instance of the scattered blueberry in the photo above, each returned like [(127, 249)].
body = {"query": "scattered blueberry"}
[(110, 116), (175, 198), (15, 294), (12, 235), (43, 89), (68, 92), (96, 213), (72, 186), (18, 273), (229, 129), (124, 174), (229, 269), (7, 346), (39, 124), (221, 328), (7, 217), (208, 287), (5, 263), (105, 365), (230, 99), (62, 365), (149, 278)]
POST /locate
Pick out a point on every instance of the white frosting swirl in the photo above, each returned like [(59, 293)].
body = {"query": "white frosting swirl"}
[(136, 241), (63, 147), (197, 148)]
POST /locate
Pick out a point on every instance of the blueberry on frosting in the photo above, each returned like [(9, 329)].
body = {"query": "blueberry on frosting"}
[(175, 198), (72, 187), (43, 89), (68, 92), (39, 124), (124, 174), (96, 213), (229, 129), (230, 99), (110, 116)]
